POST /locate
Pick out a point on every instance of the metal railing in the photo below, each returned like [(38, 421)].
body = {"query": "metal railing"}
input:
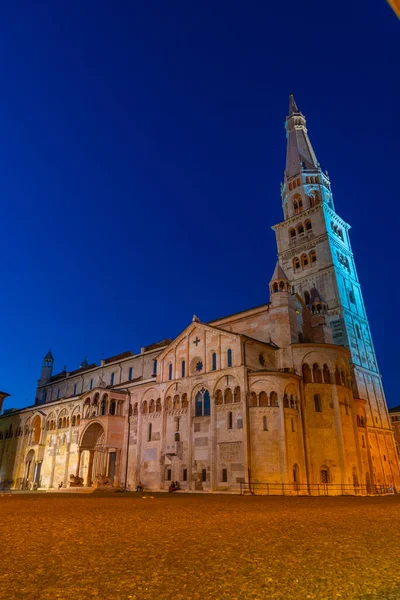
[(314, 489)]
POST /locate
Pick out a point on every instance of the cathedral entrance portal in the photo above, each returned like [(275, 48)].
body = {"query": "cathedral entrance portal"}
[(92, 442)]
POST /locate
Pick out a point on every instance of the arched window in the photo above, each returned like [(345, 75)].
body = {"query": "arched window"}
[(327, 374), (152, 406), (228, 399), (78, 419), (214, 361), (285, 401), (135, 409), (177, 437), (300, 229), (263, 399), (112, 407), (273, 399), (206, 403), (144, 408), (202, 403), (304, 260), (218, 397), (307, 180), (300, 205), (253, 399), (230, 420), (296, 263), (168, 403), (317, 374), (317, 403), (275, 287), (170, 371), (229, 357), (306, 373), (308, 226), (73, 420), (112, 378), (158, 405), (313, 256), (183, 368), (324, 474), (103, 407), (292, 233), (265, 423), (176, 402), (337, 377), (236, 394), (149, 432), (295, 207)]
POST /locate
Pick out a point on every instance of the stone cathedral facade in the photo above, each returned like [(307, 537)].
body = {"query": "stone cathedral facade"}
[(286, 392)]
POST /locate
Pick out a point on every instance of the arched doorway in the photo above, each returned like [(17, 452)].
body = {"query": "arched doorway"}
[(92, 455)]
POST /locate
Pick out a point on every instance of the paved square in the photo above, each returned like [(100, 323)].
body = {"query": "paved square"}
[(121, 546)]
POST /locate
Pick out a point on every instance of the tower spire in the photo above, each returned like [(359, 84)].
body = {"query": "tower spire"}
[(292, 105), (299, 152)]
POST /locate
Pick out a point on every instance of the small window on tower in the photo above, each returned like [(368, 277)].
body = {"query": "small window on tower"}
[(296, 263)]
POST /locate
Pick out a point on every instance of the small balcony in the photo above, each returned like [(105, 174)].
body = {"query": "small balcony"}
[(174, 449)]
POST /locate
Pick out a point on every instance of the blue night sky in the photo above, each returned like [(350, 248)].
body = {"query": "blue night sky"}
[(142, 150)]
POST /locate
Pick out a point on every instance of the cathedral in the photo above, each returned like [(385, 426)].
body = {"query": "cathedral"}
[(285, 396)]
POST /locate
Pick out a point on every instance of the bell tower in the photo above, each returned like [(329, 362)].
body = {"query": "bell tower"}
[(315, 253)]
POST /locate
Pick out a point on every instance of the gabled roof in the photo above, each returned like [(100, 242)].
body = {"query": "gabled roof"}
[(188, 329)]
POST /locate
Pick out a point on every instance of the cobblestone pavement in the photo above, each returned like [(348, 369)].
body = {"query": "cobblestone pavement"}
[(178, 546)]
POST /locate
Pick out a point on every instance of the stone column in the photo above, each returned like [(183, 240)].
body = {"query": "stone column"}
[(339, 434), (78, 464), (90, 468), (139, 442), (246, 425), (190, 439), (282, 442), (53, 464), (212, 443), (162, 446)]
